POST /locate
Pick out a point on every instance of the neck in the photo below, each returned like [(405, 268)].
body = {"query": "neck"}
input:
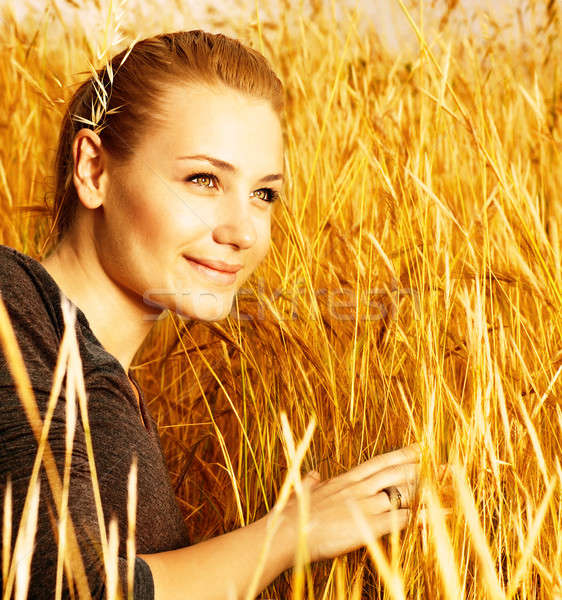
[(116, 316)]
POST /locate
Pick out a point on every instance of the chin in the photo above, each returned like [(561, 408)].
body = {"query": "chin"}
[(207, 307)]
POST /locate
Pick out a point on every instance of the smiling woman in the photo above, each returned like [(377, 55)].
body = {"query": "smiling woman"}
[(164, 202)]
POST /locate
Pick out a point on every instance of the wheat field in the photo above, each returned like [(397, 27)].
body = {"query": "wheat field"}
[(413, 290)]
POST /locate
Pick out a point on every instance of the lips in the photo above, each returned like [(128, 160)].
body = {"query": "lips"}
[(215, 270), (217, 265)]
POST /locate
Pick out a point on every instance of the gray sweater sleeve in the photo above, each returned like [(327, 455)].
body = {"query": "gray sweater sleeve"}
[(143, 583)]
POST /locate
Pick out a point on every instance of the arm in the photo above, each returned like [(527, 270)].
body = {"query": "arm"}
[(222, 567)]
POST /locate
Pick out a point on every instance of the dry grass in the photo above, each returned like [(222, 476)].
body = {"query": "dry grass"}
[(414, 292)]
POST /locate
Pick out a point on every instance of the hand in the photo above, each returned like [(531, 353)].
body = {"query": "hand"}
[(332, 529)]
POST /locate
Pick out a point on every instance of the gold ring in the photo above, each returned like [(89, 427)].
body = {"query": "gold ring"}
[(394, 496)]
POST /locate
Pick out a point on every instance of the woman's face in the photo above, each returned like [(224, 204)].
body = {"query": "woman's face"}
[(187, 220)]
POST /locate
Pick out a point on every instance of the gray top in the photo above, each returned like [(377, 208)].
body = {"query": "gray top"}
[(33, 301)]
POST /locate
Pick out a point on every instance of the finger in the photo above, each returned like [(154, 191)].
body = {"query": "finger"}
[(390, 521), (380, 522), (380, 503), (407, 495), (409, 454), (398, 475)]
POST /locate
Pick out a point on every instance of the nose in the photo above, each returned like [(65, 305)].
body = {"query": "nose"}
[(235, 226)]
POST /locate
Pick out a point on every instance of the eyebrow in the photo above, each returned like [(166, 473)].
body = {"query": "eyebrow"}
[(221, 164)]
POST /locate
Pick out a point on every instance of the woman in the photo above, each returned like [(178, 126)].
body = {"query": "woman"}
[(164, 202)]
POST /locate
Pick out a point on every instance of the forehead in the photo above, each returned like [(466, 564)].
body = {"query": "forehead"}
[(218, 121)]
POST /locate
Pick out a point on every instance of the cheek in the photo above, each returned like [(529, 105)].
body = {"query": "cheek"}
[(164, 219), (258, 251), (129, 208), (263, 239)]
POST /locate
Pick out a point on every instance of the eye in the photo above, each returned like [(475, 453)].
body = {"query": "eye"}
[(208, 180), (204, 179), (266, 194)]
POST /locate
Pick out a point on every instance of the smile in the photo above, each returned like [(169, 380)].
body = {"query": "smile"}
[(216, 271)]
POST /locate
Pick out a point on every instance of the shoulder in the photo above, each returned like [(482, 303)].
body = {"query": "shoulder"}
[(28, 291), (33, 303), (20, 272), (15, 266)]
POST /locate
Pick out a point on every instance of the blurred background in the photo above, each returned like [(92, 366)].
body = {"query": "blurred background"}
[(483, 18)]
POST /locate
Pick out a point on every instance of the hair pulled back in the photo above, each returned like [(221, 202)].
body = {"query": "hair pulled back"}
[(126, 96)]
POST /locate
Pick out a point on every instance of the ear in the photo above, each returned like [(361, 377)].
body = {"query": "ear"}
[(90, 172)]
